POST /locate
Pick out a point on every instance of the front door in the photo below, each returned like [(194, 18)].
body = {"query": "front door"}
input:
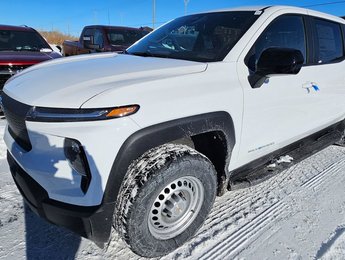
[(285, 108)]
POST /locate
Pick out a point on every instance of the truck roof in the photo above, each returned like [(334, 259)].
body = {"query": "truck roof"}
[(112, 27), (275, 8), (15, 28)]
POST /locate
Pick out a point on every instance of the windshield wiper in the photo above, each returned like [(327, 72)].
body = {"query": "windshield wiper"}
[(142, 54), (150, 54)]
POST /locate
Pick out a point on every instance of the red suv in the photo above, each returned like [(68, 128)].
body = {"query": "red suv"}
[(21, 47)]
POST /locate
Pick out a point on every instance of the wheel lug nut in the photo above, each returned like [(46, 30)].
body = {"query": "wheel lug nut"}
[(175, 198), (167, 212), (169, 204)]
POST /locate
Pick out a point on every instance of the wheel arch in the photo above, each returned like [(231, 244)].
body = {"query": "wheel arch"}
[(219, 123)]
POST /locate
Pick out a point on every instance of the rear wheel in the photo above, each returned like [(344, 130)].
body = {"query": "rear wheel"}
[(166, 196)]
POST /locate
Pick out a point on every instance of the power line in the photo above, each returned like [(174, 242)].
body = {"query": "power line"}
[(185, 6), (153, 13), (322, 4)]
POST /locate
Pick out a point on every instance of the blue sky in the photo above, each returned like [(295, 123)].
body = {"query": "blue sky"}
[(70, 16)]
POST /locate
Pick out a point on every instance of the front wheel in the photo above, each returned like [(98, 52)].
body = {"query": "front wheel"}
[(166, 196)]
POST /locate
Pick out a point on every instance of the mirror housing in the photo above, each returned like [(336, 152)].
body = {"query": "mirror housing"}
[(88, 43), (276, 61)]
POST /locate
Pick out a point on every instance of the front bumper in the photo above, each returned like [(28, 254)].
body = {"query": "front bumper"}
[(93, 222)]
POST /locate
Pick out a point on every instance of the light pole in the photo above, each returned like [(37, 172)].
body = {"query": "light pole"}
[(153, 13), (185, 6)]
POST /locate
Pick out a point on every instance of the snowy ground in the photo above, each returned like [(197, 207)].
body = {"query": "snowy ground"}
[(298, 214)]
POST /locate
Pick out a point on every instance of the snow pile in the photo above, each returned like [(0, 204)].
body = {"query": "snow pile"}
[(282, 159)]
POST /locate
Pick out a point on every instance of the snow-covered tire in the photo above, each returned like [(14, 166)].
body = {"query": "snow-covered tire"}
[(147, 179)]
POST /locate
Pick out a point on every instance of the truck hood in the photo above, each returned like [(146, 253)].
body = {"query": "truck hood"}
[(70, 82), (25, 57)]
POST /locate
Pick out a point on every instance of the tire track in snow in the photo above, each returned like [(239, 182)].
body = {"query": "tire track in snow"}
[(232, 210), (232, 243), (320, 178), (244, 197), (255, 199)]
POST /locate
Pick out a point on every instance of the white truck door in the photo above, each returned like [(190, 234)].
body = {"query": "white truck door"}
[(285, 108)]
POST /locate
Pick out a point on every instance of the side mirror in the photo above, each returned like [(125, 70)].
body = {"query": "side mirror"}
[(88, 43), (276, 61)]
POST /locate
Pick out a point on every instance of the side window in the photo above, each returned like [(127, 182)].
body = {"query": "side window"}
[(328, 41), (98, 38), (286, 31)]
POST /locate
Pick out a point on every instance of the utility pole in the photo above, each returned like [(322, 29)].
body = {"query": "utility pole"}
[(95, 16), (122, 18), (185, 6), (153, 13)]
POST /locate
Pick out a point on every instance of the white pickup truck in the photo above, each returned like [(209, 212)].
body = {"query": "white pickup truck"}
[(144, 141)]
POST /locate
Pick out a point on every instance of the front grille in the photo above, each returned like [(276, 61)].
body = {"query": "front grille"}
[(3, 79), (15, 113)]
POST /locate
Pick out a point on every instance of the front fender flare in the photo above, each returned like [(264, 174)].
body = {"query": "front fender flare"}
[(155, 135)]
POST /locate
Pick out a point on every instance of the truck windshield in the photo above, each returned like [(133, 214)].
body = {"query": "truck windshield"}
[(204, 37), (21, 41), (124, 37)]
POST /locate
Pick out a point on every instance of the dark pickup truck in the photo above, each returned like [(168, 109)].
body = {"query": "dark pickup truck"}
[(101, 38), (21, 47)]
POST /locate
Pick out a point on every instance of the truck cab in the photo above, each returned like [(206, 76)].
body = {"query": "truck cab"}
[(20, 48), (98, 38)]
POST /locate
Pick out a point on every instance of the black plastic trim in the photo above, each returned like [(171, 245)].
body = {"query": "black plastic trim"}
[(247, 57), (92, 222), (309, 40), (265, 8), (153, 136), (86, 177), (342, 37), (256, 171), (15, 113)]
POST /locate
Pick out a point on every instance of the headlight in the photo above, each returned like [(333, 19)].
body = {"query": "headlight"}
[(42, 114)]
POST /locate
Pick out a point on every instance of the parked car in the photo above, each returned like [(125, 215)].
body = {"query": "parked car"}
[(21, 47), (144, 141), (101, 38)]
